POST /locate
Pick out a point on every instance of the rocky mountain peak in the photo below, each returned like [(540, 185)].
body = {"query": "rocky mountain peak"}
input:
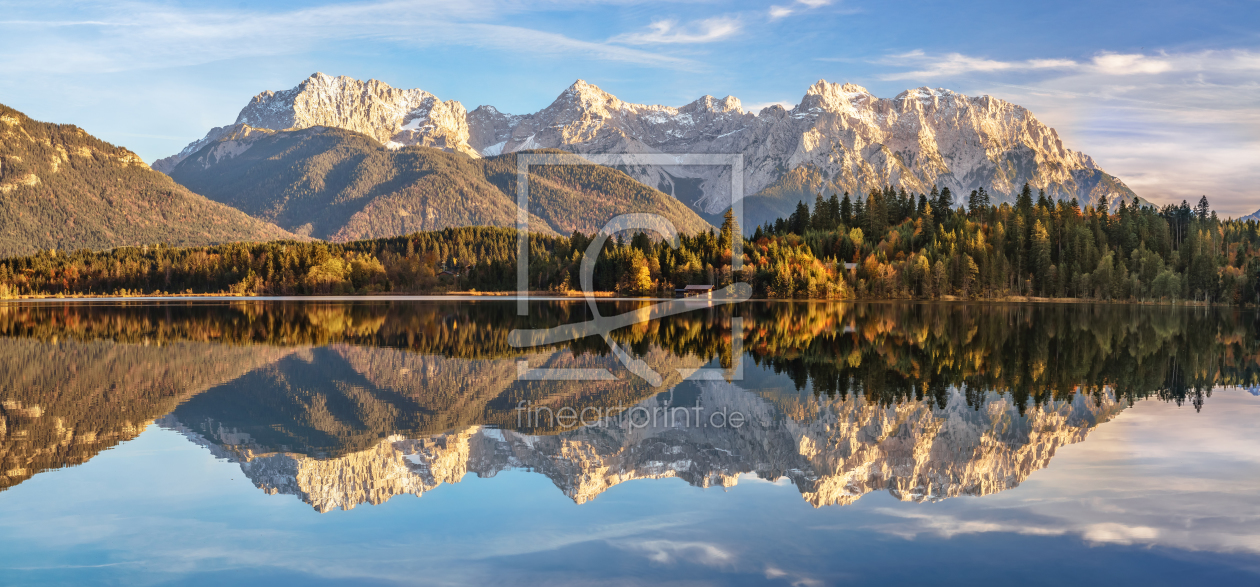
[(838, 93), (395, 117), (926, 95), (825, 97), (588, 95), (708, 103)]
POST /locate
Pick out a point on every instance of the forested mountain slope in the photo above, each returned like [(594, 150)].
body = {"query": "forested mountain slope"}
[(61, 188), (341, 185)]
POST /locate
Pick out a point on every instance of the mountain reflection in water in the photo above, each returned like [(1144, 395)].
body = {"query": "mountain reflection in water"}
[(348, 403)]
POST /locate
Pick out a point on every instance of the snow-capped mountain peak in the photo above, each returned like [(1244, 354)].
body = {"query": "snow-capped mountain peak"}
[(395, 117), (848, 139)]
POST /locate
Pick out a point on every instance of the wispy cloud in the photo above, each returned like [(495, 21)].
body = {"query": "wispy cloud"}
[(955, 63), (777, 12), (793, 579), (757, 106), (1106, 63), (670, 32), (144, 35), (1128, 64)]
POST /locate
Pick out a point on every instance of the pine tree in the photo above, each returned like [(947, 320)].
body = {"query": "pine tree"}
[(978, 203), (819, 220), (973, 203), (1041, 257), (876, 216), (730, 230), (1024, 202), (800, 219), (944, 204), (1202, 209), (846, 210)]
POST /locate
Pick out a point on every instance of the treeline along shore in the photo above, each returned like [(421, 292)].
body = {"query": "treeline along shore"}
[(888, 245)]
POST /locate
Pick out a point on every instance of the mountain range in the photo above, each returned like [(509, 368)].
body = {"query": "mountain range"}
[(341, 159), (61, 188), (839, 138), (343, 185)]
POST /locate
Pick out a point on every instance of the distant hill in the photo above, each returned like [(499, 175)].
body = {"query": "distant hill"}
[(1253, 216), (341, 185), (61, 188)]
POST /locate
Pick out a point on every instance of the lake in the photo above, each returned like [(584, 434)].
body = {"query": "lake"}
[(410, 441)]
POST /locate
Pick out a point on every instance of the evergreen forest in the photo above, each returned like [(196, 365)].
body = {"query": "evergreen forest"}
[(888, 245)]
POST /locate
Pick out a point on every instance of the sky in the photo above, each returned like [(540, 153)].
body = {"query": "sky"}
[(1165, 95)]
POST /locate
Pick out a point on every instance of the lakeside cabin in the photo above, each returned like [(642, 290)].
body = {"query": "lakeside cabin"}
[(694, 291)]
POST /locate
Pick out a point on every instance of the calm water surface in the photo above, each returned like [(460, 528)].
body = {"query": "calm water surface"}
[(414, 442)]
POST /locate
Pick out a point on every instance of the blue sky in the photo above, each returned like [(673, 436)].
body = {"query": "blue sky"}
[(1165, 95)]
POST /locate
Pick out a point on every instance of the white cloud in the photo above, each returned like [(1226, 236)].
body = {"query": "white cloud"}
[(669, 32), (756, 107), (777, 12), (1106, 63), (1129, 64), (1103, 63), (141, 35), (956, 64), (793, 579)]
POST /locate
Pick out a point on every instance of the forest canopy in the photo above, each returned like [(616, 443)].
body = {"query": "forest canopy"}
[(888, 245)]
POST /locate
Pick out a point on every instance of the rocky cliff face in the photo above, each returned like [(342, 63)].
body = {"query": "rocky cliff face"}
[(392, 116), (846, 139), (839, 138), (833, 450)]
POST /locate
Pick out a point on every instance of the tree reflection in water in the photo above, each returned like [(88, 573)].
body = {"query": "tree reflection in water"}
[(347, 403)]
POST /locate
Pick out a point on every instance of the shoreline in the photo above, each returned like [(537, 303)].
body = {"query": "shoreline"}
[(573, 296)]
